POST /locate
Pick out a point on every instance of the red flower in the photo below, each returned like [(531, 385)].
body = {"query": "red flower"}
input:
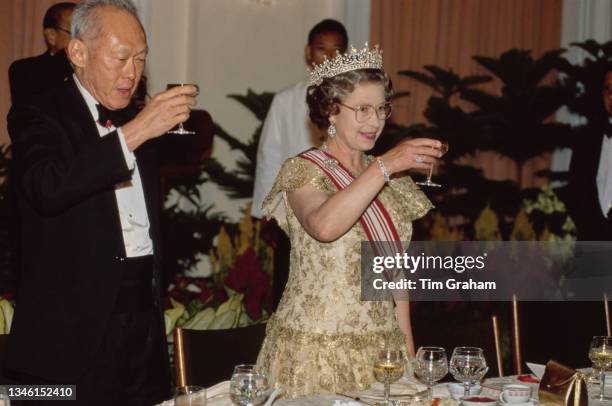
[(248, 278), (206, 292), (220, 295)]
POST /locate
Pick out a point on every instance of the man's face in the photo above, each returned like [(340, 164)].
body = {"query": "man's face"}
[(607, 92), (111, 65), (324, 45)]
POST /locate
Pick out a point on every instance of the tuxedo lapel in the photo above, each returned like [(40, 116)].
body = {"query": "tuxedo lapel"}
[(77, 115)]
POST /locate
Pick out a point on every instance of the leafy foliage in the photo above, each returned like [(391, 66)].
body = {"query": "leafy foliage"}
[(515, 123), (239, 184), (583, 81)]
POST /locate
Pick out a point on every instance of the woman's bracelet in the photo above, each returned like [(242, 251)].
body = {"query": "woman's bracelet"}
[(383, 170)]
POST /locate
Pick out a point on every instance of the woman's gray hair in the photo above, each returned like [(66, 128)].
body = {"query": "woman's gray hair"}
[(85, 16)]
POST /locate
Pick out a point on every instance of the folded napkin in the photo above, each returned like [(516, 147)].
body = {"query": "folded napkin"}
[(275, 393), (215, 391), (537, 369)]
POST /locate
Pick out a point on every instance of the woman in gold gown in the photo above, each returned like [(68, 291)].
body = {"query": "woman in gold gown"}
[(323, 338)]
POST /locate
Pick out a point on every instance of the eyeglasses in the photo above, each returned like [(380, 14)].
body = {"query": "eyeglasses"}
[(62, 30), (364, 112)]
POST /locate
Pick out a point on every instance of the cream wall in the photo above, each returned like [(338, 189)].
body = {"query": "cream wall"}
[(228, 46)]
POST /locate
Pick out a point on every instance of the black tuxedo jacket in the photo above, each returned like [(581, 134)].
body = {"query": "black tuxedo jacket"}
[(72, 250), (583, 200), (31, 76)]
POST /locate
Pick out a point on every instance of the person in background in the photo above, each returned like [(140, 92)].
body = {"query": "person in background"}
[(89, 309), (590, 173), (287, 131), (34, 75)]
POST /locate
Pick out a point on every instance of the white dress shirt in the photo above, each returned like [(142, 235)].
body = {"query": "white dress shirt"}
[(286, 132), (130, 195), (604, 175)]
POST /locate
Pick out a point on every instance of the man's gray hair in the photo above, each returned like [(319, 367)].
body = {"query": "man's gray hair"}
[(85, 16)]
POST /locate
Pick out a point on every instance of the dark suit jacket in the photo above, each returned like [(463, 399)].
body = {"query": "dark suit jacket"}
[(583, 201), (72, 250), (31, 76)]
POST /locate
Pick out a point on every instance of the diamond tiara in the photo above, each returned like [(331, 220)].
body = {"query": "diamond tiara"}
[(352, 60)]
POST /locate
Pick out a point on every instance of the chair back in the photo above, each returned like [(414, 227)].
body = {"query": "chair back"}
[(206, 357), (607, 314), (555, 330)]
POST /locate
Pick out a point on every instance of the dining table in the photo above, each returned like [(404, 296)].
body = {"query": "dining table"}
[(407, 390)]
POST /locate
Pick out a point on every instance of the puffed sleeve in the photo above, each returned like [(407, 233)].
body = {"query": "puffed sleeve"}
[(295, 173), (414, 204)]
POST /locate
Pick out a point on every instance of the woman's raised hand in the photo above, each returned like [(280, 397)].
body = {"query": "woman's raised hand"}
[(416, 153)]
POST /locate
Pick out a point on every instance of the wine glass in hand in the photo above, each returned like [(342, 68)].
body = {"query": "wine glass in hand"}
[(388, 368), (443, 150), (181, 129), (468, 365), (600, 355), (430, 365)]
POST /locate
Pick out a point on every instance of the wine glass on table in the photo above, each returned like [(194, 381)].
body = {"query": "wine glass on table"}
[(600, 354), (388, 368), (430, 365), (190, 396), (468, 365), (443, 150), (181, 130), (249, 386)]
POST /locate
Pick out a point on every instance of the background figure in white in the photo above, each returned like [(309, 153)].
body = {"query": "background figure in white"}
[(287, 130)]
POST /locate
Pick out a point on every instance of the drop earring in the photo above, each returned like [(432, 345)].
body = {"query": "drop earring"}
[(331, 130)]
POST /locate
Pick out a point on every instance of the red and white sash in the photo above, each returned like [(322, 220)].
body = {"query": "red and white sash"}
[(375, 220)]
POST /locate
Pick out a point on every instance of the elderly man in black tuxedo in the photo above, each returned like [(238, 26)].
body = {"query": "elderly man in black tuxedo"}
[(88, 302), (34, 75), (590, 180)]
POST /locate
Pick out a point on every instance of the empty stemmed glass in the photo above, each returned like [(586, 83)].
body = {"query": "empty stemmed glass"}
[(443, 150), (388, 368), (430, 365), (600, 354), (468, 365), (249, 386), (190, 396), (181, 129)]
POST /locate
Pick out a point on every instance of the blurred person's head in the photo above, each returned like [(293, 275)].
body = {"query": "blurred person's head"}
[(108, 50), (56, 26), (324, 39)]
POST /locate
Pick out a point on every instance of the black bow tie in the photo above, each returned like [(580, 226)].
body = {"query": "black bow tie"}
[(108, 118)]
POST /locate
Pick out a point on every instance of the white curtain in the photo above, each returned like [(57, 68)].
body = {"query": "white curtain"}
[(356, 15)]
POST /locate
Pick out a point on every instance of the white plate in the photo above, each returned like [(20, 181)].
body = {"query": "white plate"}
[(532, 402)]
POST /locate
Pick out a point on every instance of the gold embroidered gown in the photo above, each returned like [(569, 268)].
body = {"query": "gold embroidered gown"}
[(323, 338)]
